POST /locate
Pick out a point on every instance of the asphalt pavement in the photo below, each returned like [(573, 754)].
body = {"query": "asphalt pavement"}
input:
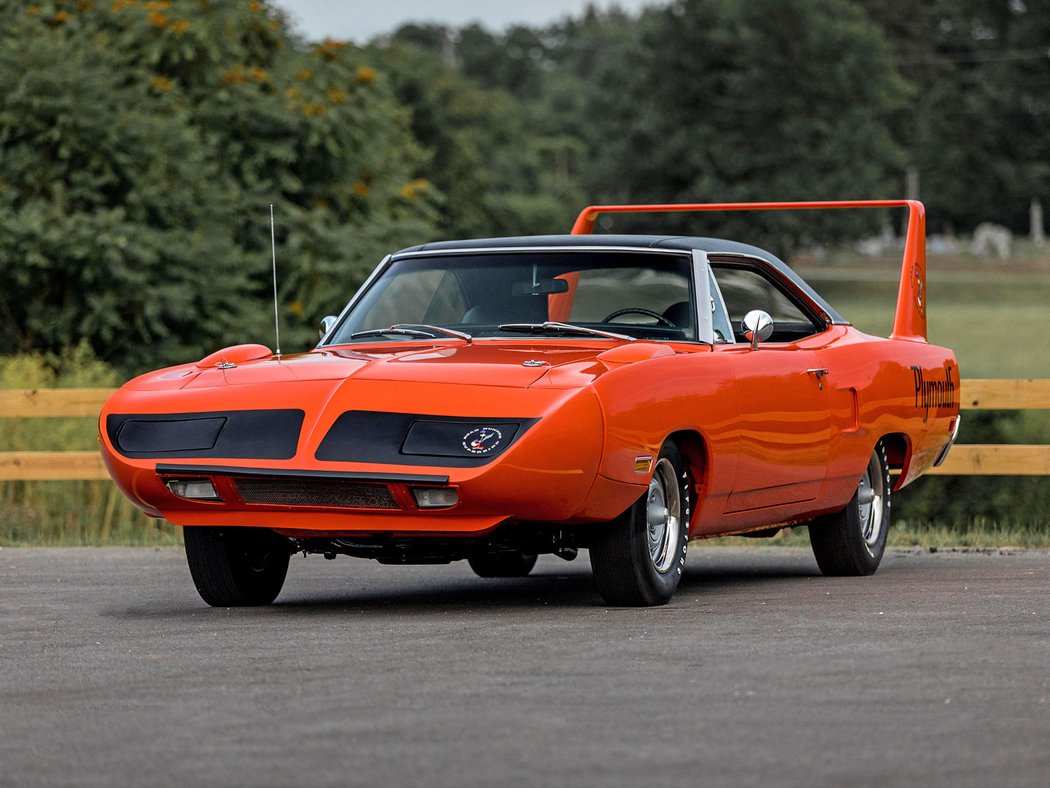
[(933, 672)]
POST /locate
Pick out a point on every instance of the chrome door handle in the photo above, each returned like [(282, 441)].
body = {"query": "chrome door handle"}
[(820, 373)]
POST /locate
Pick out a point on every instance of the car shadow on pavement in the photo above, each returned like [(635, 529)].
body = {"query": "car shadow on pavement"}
[(537, 591), (554, 587), (724, 578)]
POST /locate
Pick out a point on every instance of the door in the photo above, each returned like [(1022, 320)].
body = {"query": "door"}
[(785, 426), (785, 418)]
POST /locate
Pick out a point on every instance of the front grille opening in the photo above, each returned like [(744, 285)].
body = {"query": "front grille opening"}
[(315, 492)]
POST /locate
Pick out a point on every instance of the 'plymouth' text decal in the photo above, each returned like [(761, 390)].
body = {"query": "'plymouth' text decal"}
[(933, 393)]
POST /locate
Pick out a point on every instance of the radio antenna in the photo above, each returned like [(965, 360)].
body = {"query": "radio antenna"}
[(273, 251)]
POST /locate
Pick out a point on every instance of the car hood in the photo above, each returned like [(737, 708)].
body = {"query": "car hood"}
[(488, 363)]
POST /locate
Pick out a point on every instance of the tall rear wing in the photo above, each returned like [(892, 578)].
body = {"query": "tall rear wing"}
[(909, 321)]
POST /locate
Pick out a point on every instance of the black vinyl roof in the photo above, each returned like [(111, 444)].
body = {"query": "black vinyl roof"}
[(677, 242)]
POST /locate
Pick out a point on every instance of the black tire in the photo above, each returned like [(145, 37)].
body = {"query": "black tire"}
[(236, 567), (851, 542), (637, 562), (506, 564)]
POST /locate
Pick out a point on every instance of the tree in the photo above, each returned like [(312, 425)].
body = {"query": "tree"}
[(977, 123), (142, 145), (764, 100), (493, 159)]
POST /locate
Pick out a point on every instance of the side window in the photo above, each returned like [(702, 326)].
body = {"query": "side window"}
[(719, 315), (602, 291), (447, 306), (744, 289), (425, 296)]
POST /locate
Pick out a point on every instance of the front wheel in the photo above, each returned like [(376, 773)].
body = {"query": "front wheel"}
[(236, 567), (638, 558), (851, 542)]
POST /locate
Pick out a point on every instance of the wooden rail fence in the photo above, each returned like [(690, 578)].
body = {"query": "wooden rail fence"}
[(964, 459)]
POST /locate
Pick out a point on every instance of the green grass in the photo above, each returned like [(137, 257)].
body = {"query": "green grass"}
[(75, 514), (978, 533), (996, 323)]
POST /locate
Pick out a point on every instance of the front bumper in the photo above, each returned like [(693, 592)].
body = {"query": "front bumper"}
[(548, 474)]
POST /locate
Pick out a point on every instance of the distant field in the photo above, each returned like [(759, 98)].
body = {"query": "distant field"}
[(997, 322)]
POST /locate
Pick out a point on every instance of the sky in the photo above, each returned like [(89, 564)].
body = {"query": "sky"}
[(360, 20)]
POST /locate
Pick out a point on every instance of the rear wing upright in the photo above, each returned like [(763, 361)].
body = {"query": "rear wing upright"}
[(909, 321)]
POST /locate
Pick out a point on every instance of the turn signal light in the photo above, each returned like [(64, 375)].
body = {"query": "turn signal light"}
[(435, 497), (194, 489)]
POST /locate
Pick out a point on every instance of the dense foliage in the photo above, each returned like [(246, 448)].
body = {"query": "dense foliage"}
[(143, 141), (142, 144)]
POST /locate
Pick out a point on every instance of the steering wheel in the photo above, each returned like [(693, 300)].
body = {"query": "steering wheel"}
[(637, 310)]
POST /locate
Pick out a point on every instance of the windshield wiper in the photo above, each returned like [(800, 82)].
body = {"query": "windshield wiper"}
[(561, 328), (447, 331), (402, 329)]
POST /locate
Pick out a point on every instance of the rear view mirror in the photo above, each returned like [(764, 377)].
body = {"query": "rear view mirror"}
[(543, 287), (757, 326), (326, 324)]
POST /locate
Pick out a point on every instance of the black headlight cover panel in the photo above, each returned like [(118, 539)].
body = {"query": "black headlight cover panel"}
[(235, 434), (418, 439), (146, 435), (458, 439)]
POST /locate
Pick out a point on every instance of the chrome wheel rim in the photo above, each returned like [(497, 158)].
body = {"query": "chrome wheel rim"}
[(871, 497), (663, 510)]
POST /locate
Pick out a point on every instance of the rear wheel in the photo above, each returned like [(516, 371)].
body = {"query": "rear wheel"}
[(852, 541), (505, 564), (236, 567), (638, 558)]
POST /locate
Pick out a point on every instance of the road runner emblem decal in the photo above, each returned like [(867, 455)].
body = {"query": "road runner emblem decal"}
[(483, 440)]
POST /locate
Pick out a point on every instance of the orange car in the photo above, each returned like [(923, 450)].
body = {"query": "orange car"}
[(492, 400)]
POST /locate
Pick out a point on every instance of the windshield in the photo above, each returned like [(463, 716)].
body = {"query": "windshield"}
[(643, 295)]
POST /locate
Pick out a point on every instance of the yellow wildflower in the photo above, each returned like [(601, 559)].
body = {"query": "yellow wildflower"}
[(259, 74), (329, 48), (180, 27), (234, 76), (413, 189), (160, 83), (304, 75), (157, 19), (296, 307), (313, 110), (335, 95), (33, 10), (365, 75), (360, 189), (157, 5), (120, 5), (61, 16), (293, 93)]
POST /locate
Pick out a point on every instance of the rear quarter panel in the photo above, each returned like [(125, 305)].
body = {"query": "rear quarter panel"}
[(886, 387)]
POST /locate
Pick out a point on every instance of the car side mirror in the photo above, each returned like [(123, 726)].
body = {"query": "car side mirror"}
[(326, 324), (757, 327)]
